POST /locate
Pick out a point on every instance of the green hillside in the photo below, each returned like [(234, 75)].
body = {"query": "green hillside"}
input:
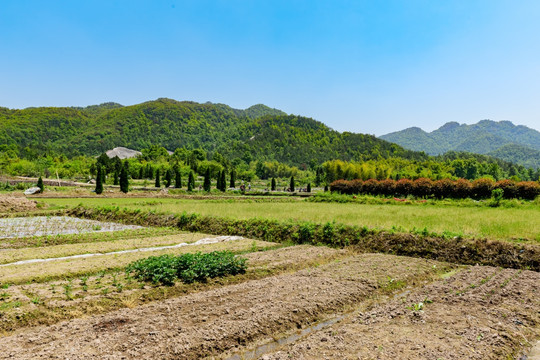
[(256, 133), (518, 154), (501, 139)]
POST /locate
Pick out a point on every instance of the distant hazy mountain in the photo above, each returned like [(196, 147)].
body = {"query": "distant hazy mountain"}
[(501, 139)]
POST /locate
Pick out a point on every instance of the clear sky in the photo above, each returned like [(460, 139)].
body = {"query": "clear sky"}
[(364, 66)]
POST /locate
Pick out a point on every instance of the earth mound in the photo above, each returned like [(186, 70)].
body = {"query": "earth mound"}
[(9, 203)]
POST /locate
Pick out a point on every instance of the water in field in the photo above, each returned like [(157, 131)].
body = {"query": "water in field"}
[(275, 345), (55, 225)]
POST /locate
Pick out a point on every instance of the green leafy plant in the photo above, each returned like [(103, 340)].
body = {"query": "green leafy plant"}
[(496, 197), (166, 269), (419, 306), (37, 300), (84, 285), (68, 291)]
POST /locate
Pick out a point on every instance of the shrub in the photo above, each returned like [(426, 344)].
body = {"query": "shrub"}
[(462, 189), (496, 197), (356, 186), (166, 269), (422, 187), (528, 189), (481, 188), (387, 187), (508, 187), (404, 187), (371, 187), (443, 188), (341, 186), (40, 184)]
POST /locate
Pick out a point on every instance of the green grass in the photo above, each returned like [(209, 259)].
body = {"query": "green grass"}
[(516, 223)]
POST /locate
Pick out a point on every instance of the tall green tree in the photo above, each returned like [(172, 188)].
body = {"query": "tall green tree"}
[(149, 171), (207, 181), (218, 182), (318, 176), (103, 176), (115, 180), (291, 185), (158, 181), (99, 180), (124, 182), (177, 178), (233, 179), (40, 184), (168, 178), (222, 181), (191, 181)]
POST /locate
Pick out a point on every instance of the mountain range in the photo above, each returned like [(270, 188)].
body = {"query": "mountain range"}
[(256, 133), (500, 139)]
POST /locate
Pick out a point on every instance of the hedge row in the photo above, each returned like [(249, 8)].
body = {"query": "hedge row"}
[(445, 188), (431, 246)]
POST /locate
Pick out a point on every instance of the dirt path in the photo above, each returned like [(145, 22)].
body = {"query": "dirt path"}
[(484, 313), (212, 322)]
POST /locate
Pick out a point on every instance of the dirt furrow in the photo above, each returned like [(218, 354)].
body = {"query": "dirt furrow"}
[(480, 313), (220, 320)]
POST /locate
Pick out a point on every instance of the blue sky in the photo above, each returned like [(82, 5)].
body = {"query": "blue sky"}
[(361, 66)]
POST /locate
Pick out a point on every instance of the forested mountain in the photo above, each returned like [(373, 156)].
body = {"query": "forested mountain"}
[(251, 112), (256, 133), (518, 154), (502, 139)]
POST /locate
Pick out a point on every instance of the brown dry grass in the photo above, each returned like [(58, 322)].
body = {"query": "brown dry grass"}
[(13, 255), (10, 203)]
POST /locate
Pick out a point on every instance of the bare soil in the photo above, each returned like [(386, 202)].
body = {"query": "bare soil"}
[(480, 313), (393, 307), (11, 203), (212, 322), (40, 303)]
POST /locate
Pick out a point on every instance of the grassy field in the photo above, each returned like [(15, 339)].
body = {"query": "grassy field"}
[(517, 223)]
